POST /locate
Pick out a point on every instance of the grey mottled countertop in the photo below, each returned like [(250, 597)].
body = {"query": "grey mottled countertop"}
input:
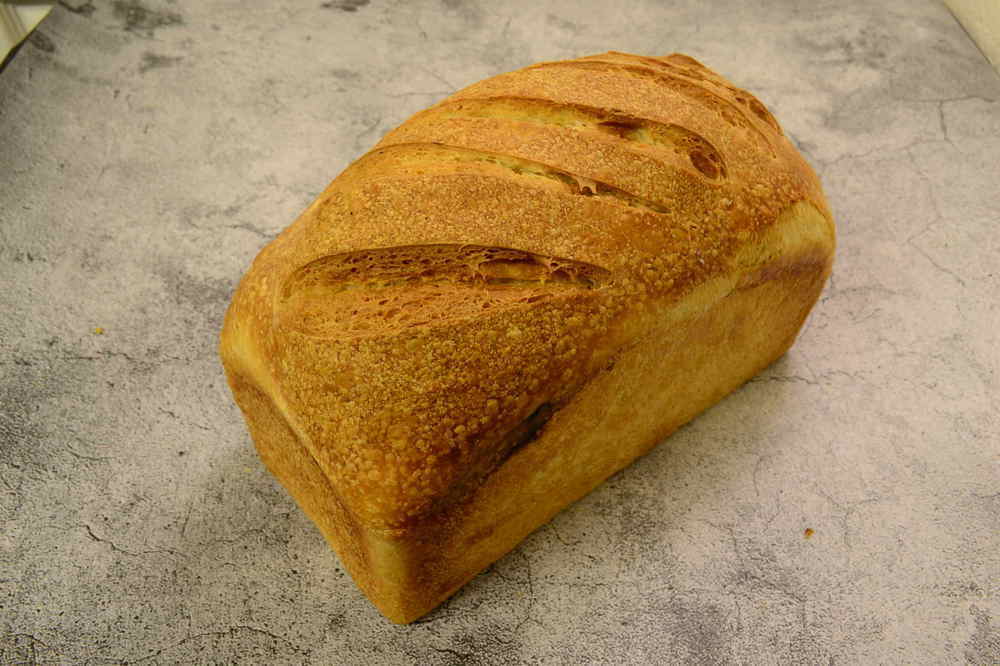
[(150, 149)]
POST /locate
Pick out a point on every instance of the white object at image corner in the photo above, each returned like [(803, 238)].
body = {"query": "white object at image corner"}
[(981, 19), (17, 20)]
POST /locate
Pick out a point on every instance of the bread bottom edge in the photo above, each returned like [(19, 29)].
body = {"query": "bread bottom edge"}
[(671, 375)]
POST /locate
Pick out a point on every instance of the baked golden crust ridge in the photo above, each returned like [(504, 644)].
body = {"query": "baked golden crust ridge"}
[(437, 311)]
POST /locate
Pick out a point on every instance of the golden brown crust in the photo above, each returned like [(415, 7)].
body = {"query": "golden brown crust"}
[(452, 290)]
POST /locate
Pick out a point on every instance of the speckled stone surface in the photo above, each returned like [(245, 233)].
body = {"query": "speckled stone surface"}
[(150, 149)]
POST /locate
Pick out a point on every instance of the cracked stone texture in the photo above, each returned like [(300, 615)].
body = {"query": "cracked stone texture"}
[(151, 148)]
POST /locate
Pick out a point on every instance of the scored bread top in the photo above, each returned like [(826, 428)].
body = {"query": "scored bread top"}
[(456, 285)]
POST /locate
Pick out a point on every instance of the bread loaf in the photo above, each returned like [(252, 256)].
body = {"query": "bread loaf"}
[(511, 297)]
